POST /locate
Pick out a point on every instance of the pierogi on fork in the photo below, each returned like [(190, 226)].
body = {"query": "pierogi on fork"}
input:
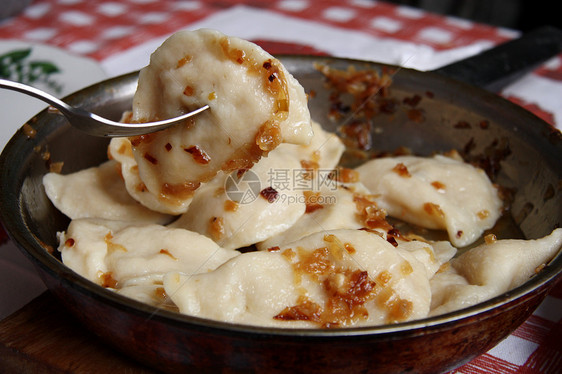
[(243, 214), (255, 105)]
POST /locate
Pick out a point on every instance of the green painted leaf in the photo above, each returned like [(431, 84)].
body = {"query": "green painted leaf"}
[(45, 66), (16, 56)]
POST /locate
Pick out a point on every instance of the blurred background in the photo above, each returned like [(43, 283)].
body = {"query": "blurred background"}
[(521, 15)]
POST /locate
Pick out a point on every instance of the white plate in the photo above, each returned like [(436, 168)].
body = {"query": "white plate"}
[(19, 282), (63, 73)]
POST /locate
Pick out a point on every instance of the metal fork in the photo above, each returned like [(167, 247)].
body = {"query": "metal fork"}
[(94, 124)]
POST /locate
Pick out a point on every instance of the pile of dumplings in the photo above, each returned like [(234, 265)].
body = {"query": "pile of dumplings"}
[(243, 215)]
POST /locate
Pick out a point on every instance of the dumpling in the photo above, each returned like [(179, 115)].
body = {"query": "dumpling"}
[(335, 206), (247, 206), (119, 254), (436, 193), (255, 105), (432, 254), (490, 269), (97, 192), (323, 152), (330, 279), (120, 150)]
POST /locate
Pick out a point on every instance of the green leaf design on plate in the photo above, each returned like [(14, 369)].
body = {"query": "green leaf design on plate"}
[(16, 56), (15, 65), (45, 67)]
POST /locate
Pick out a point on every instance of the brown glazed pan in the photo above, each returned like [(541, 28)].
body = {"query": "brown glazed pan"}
[(523, 151)]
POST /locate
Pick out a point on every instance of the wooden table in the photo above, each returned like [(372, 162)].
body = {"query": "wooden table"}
[(43, 337)]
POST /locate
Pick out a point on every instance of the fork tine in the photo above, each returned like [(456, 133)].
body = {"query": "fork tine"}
[(94, 124)]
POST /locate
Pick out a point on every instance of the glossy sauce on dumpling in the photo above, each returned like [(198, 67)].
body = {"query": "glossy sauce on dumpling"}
[(255, 105), (329, 279)]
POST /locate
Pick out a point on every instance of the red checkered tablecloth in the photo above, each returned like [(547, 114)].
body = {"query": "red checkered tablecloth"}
[(121, 34)]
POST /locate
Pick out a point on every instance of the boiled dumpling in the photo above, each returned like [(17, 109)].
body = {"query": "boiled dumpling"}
[(120, 150), (120, 254), (490, 269), (335, 206), (436, 193), (330, 279), (245, 207), (255, 105), (97, 192)]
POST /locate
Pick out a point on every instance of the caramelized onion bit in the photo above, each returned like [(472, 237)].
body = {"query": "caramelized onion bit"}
[(199, 155), (184, 60), (309, 167), (357, 134), (433, 209), (29, 131), (270, 194), (305, 310), (406, 268), (56, 167), (111, 246), (369, 213), (268, 136), (315, 264), (142, 139), (188, 91), (312, 201), (125, 149), (349, 248), (216, 228), (401, 170), (309, 164), (107, 280), (230, 206), (141, 187), (462, 125), (383, 277), (483, 214), (179, 191), (490, 239), (167, 253), (368, 89), (399, 310), (412, 101), (243, 159), (148, 157), (347, 290), (438, 186), (346, 175)]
